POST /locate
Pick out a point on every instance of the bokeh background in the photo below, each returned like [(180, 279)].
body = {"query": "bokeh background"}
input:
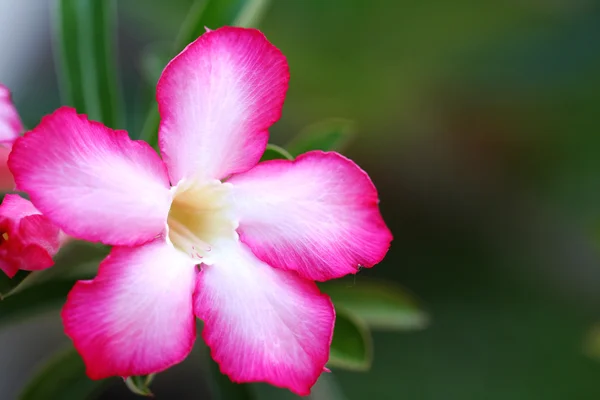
[(479, 122)]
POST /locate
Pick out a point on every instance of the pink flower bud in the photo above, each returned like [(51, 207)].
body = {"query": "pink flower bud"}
[(28, 239)]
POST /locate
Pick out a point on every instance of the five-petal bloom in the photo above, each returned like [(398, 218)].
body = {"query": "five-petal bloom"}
[(207, 230), (28, 240), (10, 129)]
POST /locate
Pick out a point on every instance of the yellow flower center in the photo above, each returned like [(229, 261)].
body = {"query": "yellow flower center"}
[(199, 215)]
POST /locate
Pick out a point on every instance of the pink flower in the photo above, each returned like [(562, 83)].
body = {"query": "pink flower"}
[(10, 129), (205, 231), (28, 240)]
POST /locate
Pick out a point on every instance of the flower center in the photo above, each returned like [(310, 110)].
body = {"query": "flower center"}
[(199, 215)]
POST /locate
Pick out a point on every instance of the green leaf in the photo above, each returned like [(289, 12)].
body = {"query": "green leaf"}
[(67, 39), (62, 378), (154, 59), (352, 345), (591, 344), (34, 300), (140, 384), (85, 42), (223, 388), (86, 270), (204, 14), (330, 135), (47, 289), (7, 284), (274, 152), (214, 14), (76, 260), (327, 388), (382, 305)]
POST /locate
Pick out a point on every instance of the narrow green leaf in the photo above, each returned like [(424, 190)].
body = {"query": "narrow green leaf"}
[(66, 43), (327, 388), (45, 290), (154, 59), (62, 377), (33, 301), (252, 13), (150, 128), (274, 152), (84, 37), (76, 260), (330, 135), (214, 14), (204, 14), (591, 344), (7, 284), (223, 388), (382, 306), (101, 15), (140, 384), (351, 347), (85, 270), (264, 391)]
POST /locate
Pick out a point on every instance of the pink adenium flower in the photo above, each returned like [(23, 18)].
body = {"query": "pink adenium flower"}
[(28, 240), (10, 129), (206, 231)]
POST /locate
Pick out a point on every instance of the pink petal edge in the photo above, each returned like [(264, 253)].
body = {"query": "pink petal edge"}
[(7, 182), (217, 99), (10, 123), (31, 238), (317, 215), (263, 324), (136, 316), (95, 183)]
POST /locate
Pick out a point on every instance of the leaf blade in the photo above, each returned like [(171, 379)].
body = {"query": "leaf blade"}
[(86, 61), (7, 285), (140, 385), (274, 152), (66, 57), (352, 344), (382, 305), (62, 377), (332, 134), (108, 90), (206, 14), (44, 290), (223, 388)]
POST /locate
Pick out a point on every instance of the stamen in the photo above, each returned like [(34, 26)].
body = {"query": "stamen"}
[(184, 235), (200, 214)]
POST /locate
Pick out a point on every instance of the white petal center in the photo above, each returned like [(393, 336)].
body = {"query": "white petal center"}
[(199, 216)]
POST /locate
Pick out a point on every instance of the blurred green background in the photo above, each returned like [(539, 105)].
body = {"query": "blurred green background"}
[(479, 124)]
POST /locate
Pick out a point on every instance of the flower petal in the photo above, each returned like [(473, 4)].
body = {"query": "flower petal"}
[(10, 123), (261, 323), (217, 99), (7, 182), (40, 231), (317, 215), (94, 183), (8, 267), (14, 208), (29, 239), (32, 257), (135, 317)]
